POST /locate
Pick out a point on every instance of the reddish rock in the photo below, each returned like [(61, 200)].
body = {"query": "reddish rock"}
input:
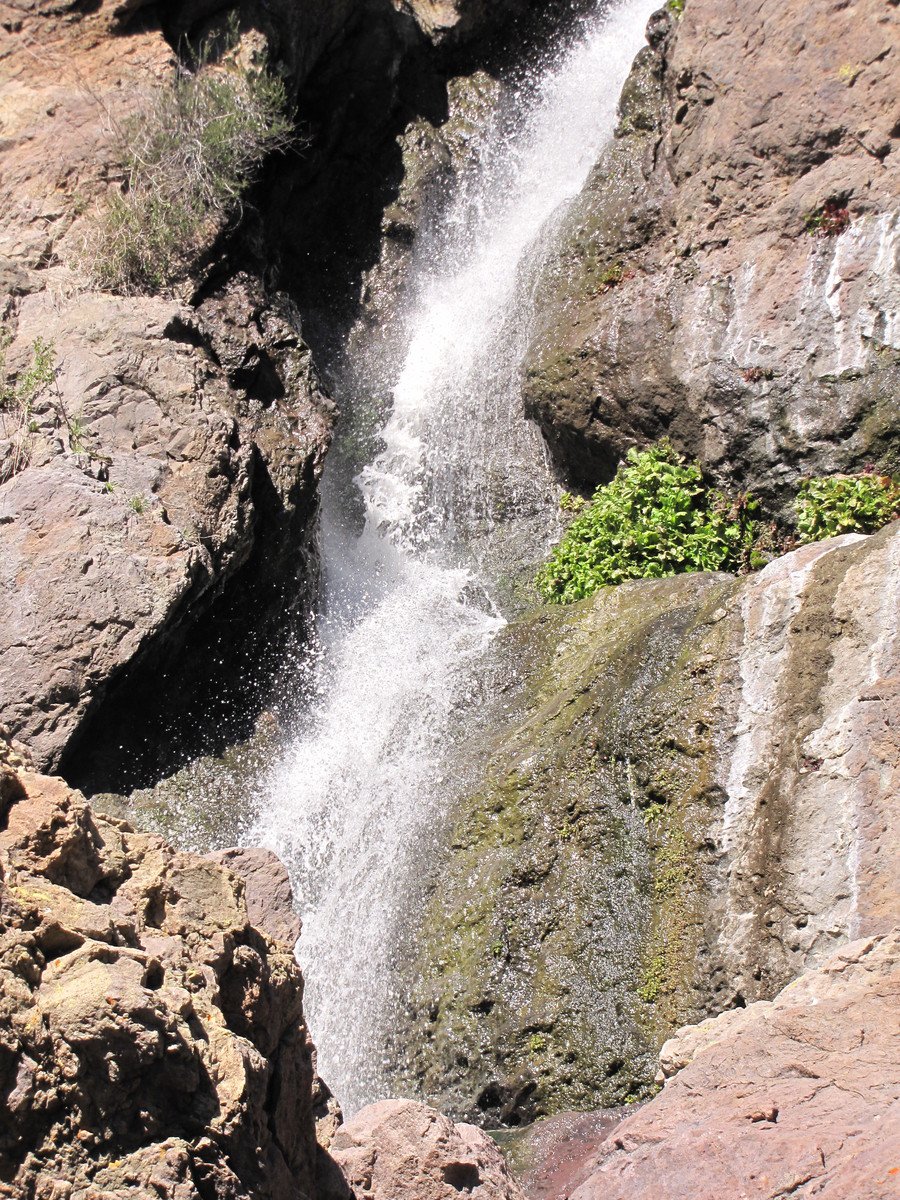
[(270, 903), (400, 1150), (792, 1097)]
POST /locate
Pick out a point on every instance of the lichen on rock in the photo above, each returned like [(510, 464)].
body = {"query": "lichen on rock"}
[(153, 1038), (684, 806)]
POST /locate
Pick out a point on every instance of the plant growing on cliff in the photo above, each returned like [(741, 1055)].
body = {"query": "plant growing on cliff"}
[(845, 504), (189, 159), (17, 399), (828, 221), (656, 518)]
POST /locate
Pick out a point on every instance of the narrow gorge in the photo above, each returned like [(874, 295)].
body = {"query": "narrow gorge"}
[(449, 655)]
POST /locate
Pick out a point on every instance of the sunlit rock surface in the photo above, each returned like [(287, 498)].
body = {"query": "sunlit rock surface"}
[(693, 295), (153, 1039), (399, 1150), (797, 1096), (688, 801)]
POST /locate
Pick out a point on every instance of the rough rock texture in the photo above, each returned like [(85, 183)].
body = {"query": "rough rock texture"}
[(798, 1096), (688, 297), (399, 1150), (173, 445), (153, 1041), (689, 802), (267, 890)]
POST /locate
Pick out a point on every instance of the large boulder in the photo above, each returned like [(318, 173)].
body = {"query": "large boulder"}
[(728, 275), (400, 1150), (153, 1039), (688, 797), (158, 455), (797, 1096)]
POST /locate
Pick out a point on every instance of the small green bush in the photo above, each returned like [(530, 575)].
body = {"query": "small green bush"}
[(845, 504), (189, 158), (656, 518)]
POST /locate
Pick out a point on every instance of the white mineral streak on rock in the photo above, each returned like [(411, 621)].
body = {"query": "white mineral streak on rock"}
[(807, 792)]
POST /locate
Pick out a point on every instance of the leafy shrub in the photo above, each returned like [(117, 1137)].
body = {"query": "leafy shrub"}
[(656, 518), (189, 159), (845, 504)]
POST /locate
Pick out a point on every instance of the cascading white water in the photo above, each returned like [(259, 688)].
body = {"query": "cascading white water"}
[(353, 806)]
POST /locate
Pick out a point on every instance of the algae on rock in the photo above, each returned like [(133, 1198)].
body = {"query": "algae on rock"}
[(577, 870)]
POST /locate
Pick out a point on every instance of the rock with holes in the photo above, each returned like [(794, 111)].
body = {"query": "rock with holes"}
[(152, 1040), (794, 1097), (400, 1150)]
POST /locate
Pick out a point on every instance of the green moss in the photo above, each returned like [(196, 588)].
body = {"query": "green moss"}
[(584, 813)]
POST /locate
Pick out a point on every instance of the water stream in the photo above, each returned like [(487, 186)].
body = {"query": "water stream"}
[(409, 604)]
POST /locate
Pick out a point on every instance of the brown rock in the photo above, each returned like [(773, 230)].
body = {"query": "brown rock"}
[(400, 1150), (152, 1041), (173, 442), (688, 296), (270, 902), (797, 1096)]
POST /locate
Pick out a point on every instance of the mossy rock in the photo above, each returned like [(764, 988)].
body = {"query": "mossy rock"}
[(558, 945)]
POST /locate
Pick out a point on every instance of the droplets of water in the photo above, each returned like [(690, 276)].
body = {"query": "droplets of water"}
[(358, 801)]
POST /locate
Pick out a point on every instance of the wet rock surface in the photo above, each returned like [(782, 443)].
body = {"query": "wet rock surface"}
[(153, 1039), (687, 803), (697, 292), (400, 1150), (797, 1096)]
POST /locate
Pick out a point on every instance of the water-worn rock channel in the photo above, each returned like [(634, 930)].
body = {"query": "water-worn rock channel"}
[(269, 534)]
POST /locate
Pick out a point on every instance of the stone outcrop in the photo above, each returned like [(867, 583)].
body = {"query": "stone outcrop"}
[(688, 798), (171, 449), (153, 1038), (399, 1150), (797, 1096), (701, 289)]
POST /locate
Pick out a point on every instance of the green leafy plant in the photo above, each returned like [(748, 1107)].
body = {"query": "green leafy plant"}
[(675, 6), (658, 517), (189, 158), (845, 504), (828, 221)]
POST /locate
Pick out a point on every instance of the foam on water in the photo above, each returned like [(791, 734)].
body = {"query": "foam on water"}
[(355, 805)]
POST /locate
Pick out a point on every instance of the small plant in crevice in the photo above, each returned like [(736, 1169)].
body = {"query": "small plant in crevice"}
[(675, 6), (138, 504), (612, 275), (658, 517), (837, 504), (757, 374), (188, 159), (18, 395), (831, 219), (849, 73)]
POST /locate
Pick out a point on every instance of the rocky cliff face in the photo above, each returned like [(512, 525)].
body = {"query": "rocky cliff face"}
[(168, 458), (158, 468), (728, 276), (687, 804), (153, 1038)]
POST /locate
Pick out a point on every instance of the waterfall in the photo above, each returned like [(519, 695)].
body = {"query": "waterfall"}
[(358, 799)]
